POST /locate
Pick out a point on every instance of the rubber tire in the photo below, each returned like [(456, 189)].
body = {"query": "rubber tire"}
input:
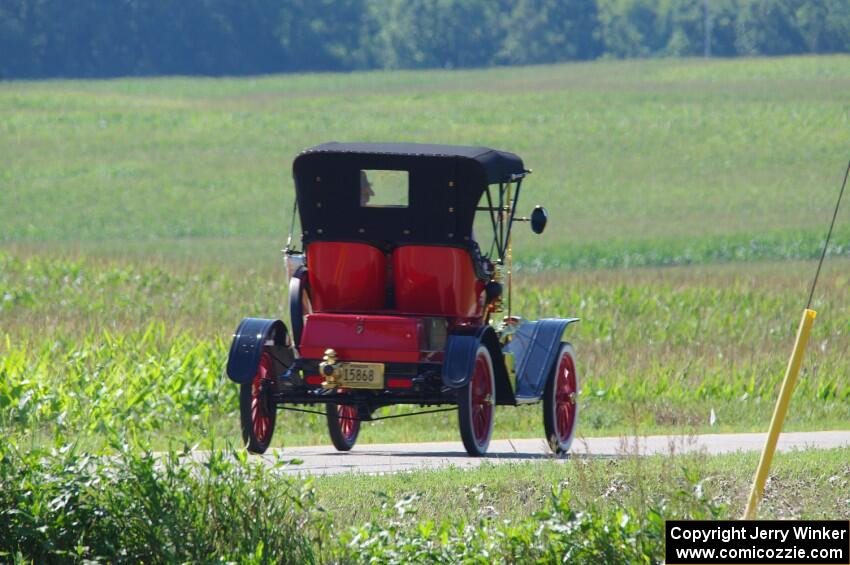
[(558, 444), (253, 442), (299, 306), (465, 418), (338, 437)]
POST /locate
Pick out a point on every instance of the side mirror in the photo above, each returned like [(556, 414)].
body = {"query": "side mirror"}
[(539, 216)]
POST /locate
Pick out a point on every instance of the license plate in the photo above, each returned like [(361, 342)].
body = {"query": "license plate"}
[(361, 375)]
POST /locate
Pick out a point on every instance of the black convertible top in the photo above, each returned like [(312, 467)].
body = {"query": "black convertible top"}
[(445, 185), (498, 166)]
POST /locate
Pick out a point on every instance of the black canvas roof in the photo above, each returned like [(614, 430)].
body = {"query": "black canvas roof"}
[(445, 185), (498, 166)]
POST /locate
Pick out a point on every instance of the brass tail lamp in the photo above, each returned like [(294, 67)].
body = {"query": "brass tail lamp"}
[(327, 368)]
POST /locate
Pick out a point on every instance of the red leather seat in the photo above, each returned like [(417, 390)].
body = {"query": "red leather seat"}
[(346, 277), (436, 281)]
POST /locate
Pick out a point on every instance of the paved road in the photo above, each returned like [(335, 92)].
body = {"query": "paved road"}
[(392, 458)]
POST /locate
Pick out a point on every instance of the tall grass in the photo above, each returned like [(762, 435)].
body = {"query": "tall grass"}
[(45, 294), (127, 505), (556, 535), (88, 347), (67, 506), (104, 383)]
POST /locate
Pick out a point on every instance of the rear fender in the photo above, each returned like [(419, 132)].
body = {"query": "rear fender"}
[(459, 361), (253, 336)]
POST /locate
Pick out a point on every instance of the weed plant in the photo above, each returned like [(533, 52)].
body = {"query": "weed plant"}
[(127, 505)]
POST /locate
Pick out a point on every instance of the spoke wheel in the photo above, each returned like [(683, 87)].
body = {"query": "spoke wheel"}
[(560, 402), (343, 425), (476, 405), (257, 408)]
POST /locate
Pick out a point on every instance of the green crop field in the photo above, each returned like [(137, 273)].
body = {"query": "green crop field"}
[(93, 346), (651, 162), (140, 219)]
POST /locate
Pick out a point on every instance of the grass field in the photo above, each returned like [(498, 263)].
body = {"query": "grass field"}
[(807, 485), (141, 219), (650, 162)]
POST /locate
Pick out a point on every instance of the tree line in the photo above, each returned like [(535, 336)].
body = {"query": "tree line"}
[(97, 38)]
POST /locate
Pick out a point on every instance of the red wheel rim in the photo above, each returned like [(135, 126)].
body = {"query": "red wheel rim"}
[(565, 398), (261, 421), (481, 399), (349, 425)]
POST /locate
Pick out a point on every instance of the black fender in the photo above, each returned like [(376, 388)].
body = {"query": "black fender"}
[(534, 347), (459, 360), (297, 283), (252, 335)]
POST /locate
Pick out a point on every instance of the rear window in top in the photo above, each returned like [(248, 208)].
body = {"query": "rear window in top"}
[(384, 189)]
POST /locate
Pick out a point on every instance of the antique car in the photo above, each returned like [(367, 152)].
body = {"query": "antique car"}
[(392, 301)]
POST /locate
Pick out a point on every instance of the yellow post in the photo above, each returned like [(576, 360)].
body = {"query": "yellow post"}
[(779, 412)]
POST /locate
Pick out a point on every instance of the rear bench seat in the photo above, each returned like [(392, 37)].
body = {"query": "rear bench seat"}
[(427, 279)]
